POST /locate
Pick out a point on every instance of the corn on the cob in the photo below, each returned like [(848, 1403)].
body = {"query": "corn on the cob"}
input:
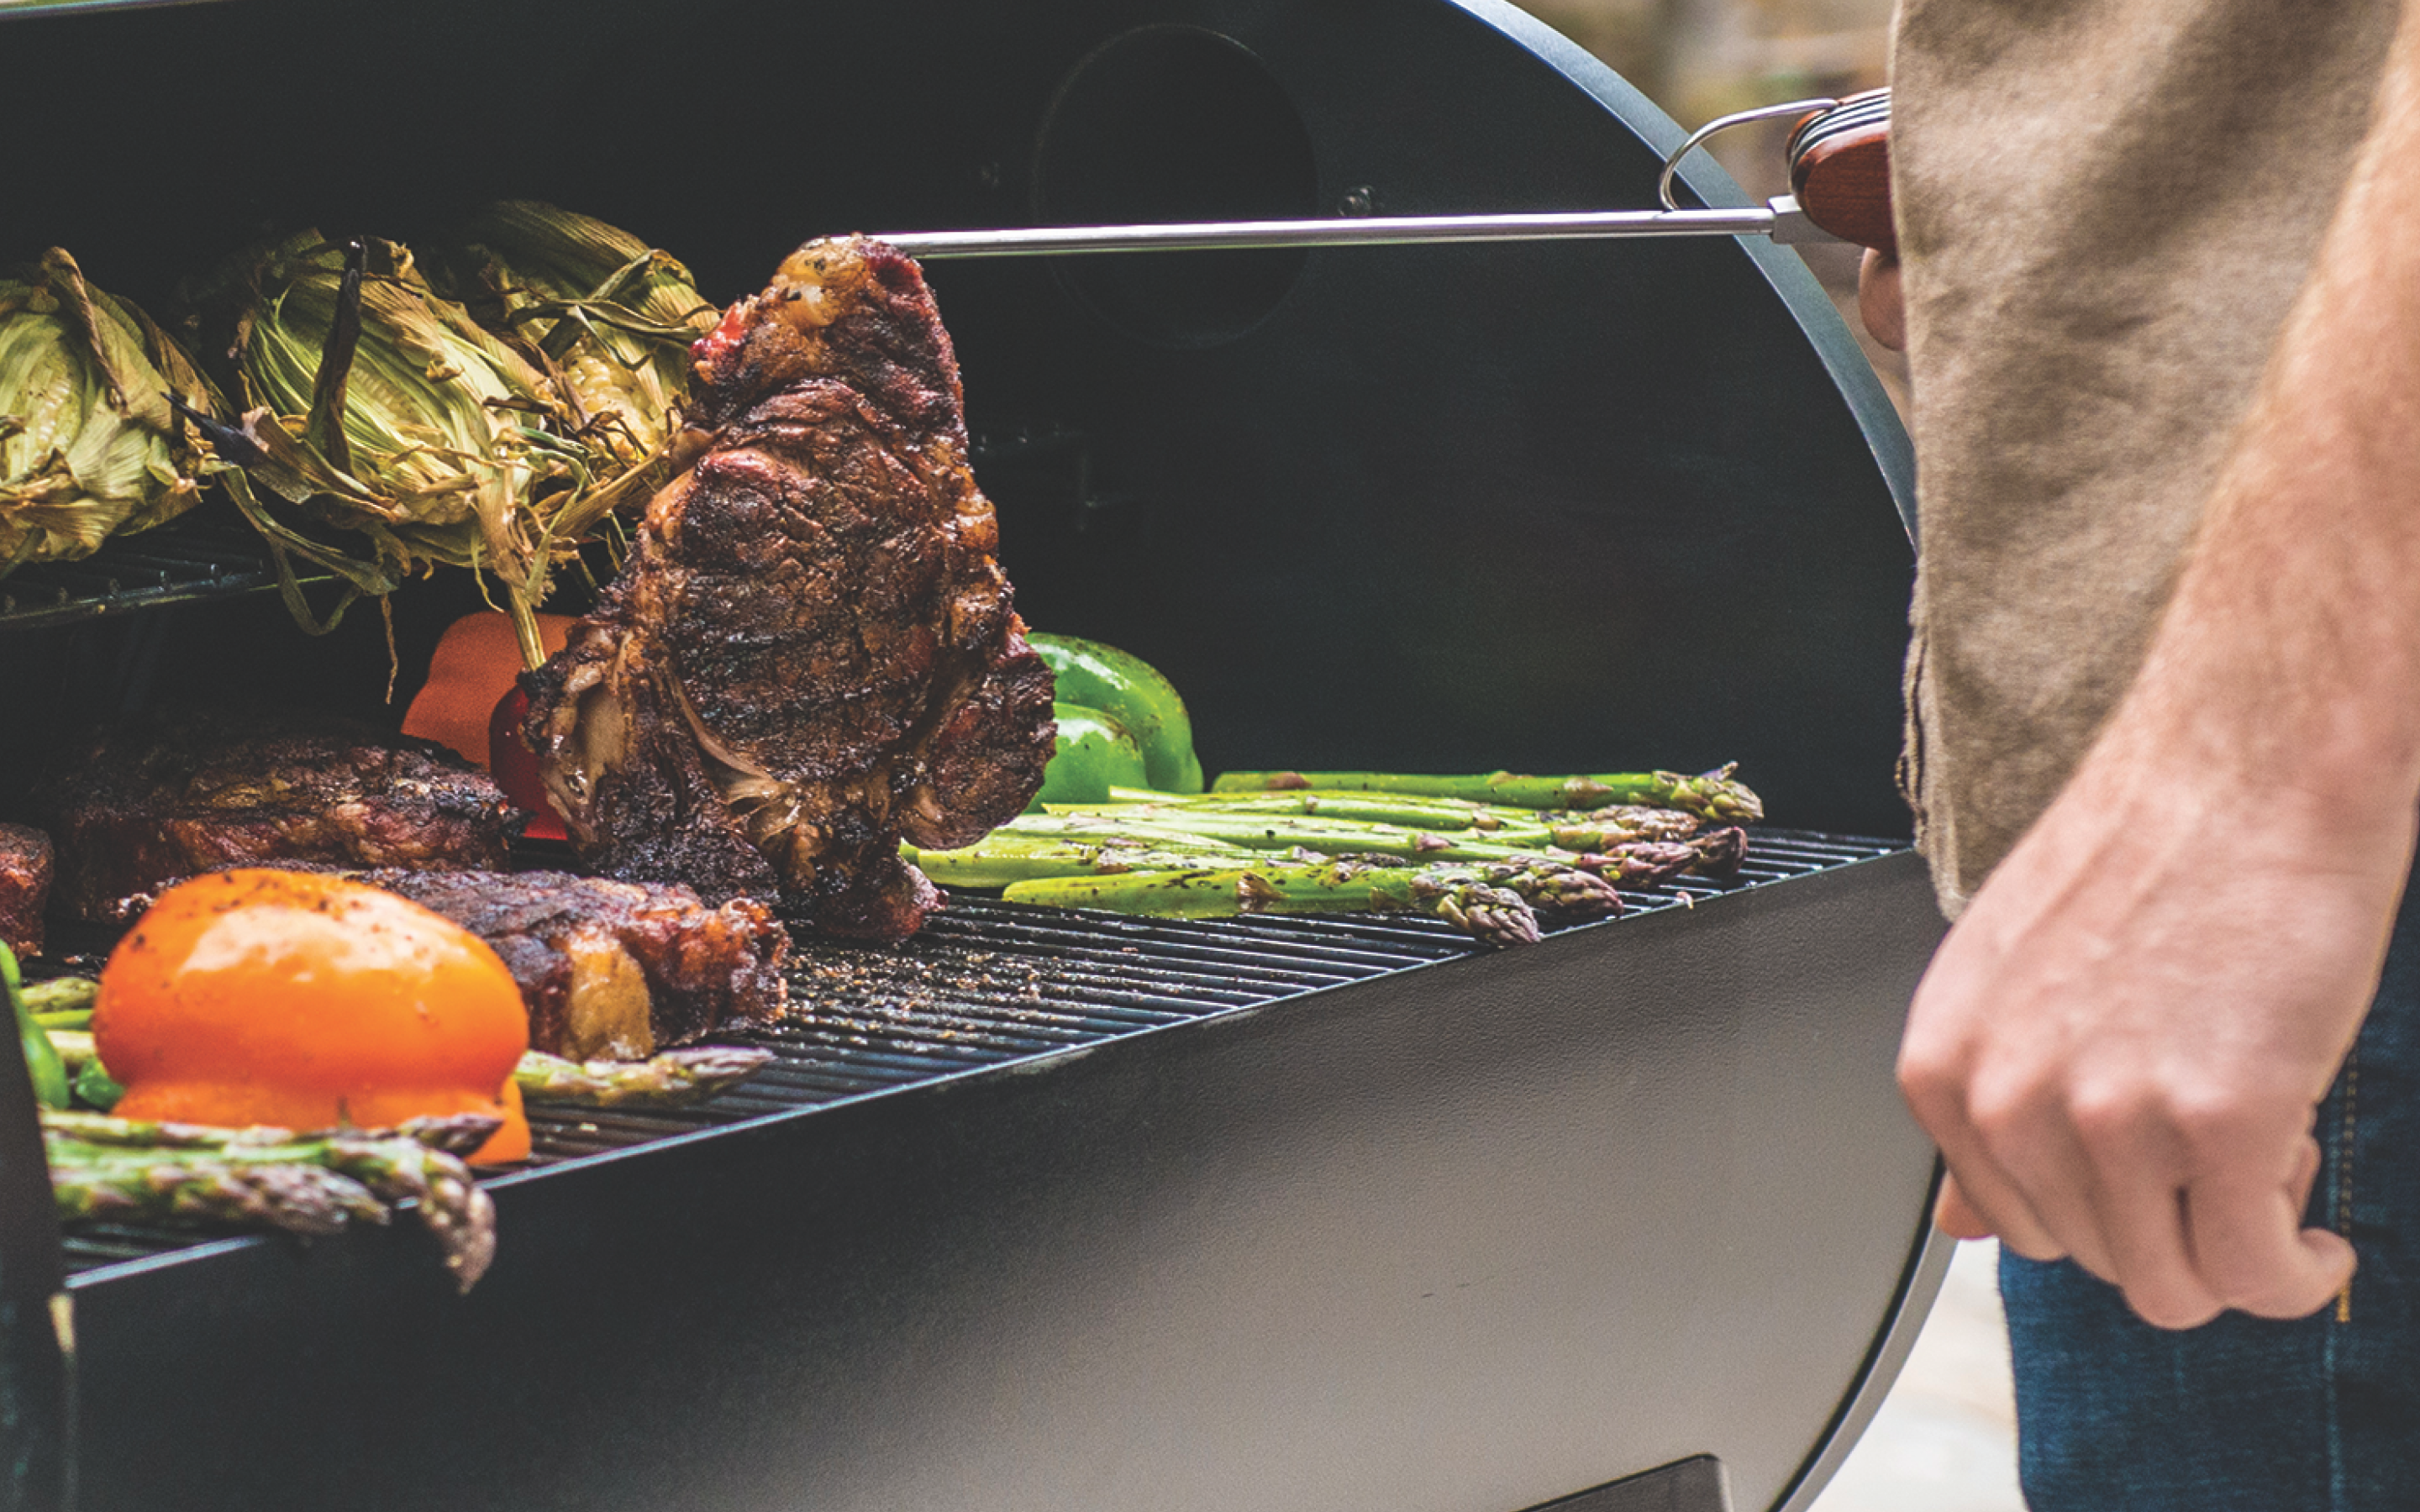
[(89, 444), (609, 317), (383, 409)]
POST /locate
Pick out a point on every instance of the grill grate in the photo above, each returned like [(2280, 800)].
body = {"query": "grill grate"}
[(989, 982), (212, 554), (182, 562)]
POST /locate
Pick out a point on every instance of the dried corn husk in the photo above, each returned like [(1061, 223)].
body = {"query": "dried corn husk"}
[(611, 317), (89, 445), (608, 317), (384, 410)]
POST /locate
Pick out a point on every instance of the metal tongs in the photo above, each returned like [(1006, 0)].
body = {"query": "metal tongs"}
[(1839, 170)]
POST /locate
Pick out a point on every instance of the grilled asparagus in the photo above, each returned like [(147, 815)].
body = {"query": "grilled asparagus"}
[(1496, 903), (673, 1079), (1712, 795), (311, 1184)]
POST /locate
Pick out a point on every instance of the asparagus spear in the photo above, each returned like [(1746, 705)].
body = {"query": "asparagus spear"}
[(104, 1168), (1712, 795), (1716, 853), (1642, 820), (1034, 847), (1560, 893), (1008, 854), (1491, 915), (455, 1134), (1493, 902), (1205, 892), (61, 994), (1275, 832), (672, 1079), (210, 1189), (1444, 814), (451, 1204)]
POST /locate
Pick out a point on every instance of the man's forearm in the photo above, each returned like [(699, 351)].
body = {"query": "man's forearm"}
[(2121, 1045), (2289, 656)]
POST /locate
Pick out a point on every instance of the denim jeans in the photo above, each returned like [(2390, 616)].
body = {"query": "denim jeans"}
[(2320, 1414)]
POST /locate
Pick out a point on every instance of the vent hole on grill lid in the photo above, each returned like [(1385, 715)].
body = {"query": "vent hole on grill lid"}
[(1175, 123)]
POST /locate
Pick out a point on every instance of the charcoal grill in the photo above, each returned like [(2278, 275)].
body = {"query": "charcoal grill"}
[(1053, 1209)]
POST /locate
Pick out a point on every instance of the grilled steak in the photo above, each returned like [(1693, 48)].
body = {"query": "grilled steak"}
[(24, 886), (177, 796), (614, 971), (811, 651)]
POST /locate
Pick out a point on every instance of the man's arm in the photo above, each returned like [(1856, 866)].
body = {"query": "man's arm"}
[(2121, 1045)]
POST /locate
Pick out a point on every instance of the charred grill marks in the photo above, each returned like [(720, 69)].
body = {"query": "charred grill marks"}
[(177, 796), (812, 651)]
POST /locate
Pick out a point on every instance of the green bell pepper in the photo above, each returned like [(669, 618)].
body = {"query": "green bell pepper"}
[(1096, 753), (41, 1058), (1131, 692)]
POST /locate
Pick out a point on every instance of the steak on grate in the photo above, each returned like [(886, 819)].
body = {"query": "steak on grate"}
[(812, 651), (614, 971), (174, 795), (24, 886)]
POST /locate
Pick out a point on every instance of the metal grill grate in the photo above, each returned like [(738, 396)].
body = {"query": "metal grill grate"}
[(178, 563), (212, 554), (990, 983)]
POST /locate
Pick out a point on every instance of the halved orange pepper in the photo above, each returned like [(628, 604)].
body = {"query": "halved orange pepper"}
[(473, 704), (306, 1002)]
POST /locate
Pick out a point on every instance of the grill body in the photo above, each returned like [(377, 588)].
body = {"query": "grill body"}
[(1330, 1215), (1472, 1235)]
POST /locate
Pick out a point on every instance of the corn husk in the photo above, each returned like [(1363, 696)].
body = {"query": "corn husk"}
[(392, 416), (609, 317), (89, 444)]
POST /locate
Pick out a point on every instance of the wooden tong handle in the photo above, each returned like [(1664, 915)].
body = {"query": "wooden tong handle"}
[(1839, 169)]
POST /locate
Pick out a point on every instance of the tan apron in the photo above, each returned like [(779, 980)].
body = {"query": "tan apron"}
[(2106, 208)]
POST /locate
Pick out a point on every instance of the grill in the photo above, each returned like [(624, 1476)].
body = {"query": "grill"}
[(1056, 1209), (989, 983)]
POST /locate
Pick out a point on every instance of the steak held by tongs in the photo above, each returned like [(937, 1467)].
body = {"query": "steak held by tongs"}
[(811, 651)]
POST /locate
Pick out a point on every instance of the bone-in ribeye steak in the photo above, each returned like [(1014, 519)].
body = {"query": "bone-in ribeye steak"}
[(811, 651)]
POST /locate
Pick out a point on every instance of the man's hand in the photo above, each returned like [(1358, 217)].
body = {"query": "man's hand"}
[(2121, 1045), (1878, 304)]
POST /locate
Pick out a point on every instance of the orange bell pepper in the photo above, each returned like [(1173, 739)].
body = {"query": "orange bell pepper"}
[(308, 1002)]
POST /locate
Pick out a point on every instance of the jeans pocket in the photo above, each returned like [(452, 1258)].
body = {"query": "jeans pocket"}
[(2340, 1138)]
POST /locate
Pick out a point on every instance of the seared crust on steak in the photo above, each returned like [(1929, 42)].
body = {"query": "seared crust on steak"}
[(24, 886), (614, 971), (812, 651), (174, 795)]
